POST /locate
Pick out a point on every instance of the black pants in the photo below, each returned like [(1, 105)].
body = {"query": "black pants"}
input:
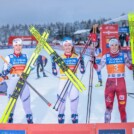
[(42, 68)]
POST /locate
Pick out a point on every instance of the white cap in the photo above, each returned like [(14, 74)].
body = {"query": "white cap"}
[(114, 41), (67, 40), (17, 41)]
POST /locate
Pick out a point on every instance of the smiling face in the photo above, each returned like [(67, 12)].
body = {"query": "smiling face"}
[(67, 48), (114, 48), (17, 48), (114, 45)]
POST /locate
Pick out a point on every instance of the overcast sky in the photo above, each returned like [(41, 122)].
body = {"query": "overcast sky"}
[(44, 11)]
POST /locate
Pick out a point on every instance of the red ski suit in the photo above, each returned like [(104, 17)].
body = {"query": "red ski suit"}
[(115, 83)]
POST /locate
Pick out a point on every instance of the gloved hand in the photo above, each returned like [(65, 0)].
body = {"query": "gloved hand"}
[(9, 67), (54, 71), (82, 69), (93, 59), (2, 77), (82, 66), (5, 72)]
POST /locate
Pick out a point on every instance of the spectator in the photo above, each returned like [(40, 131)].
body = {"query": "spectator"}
[(127, 39), (122, 39)]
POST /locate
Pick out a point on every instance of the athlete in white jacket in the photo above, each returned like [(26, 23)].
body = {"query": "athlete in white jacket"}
[(17, 62)]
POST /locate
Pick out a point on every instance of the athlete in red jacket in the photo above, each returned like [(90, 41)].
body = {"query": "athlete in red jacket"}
[(115, 62)]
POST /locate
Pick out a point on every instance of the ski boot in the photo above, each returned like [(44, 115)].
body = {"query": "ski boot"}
[(107, 116), (10, 120), (61, 118), (38, 76), (3, 93), (29, 118), (44, 75), (99, 84), (74, 118)]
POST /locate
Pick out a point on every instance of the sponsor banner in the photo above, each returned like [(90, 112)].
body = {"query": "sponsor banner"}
[(27, 40), (123, 30), (107, 32), (12, 132), (112, 131)]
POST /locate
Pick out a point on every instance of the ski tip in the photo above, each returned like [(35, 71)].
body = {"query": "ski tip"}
[(84, 88), (31, 27), (80, 90)]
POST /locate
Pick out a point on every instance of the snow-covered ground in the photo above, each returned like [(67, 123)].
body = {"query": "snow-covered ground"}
[(47, 86)]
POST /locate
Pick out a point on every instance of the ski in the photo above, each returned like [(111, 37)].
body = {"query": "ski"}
[(131, 28), (24, 76), (71, 76)]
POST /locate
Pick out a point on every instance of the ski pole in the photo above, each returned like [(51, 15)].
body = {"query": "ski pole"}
[(90, 83), (46, 101), (89, 94)]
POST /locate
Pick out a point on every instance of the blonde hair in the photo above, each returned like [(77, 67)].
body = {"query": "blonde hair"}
[(73, 50)]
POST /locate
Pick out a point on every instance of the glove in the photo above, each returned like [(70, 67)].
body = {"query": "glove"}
[(2, 77), (93, 59), (82, 70), (82, 66), (5, 72), (5, 77), (9, 67), (54, 71)]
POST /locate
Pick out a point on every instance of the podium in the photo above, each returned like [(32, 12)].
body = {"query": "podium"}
[(98, 128)]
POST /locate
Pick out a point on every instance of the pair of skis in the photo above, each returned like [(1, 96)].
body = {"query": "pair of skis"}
[(77, 83), (20, 84), (131, 29)]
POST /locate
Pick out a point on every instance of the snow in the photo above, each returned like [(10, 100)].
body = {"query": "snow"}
[(47, 86), (82, 31)]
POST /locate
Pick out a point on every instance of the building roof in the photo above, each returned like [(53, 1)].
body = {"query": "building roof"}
[(124, 17), (81, 31)]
